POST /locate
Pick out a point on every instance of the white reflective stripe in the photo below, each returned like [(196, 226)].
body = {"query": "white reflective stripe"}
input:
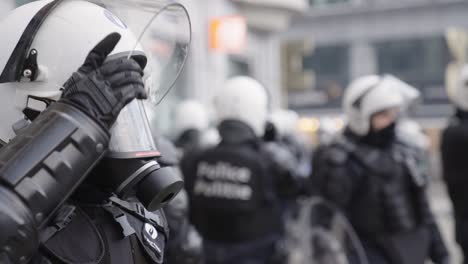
[(135, 174)]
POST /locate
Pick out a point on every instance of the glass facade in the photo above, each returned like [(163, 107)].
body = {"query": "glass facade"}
[(421, 62), (325, 72)]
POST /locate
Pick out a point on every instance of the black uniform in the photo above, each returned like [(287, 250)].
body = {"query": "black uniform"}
[(454, 150), (91, 228), (235, 193), (379, 188)]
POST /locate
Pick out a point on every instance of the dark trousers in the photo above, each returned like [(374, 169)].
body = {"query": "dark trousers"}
[(373, 254), (461, 234)]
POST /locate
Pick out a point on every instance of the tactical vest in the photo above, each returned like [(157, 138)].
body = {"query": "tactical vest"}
[(389, 196), (232, 194), (119, 232)]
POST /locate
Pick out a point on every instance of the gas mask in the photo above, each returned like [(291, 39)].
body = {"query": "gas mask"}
[(130, 167), (157, 35)]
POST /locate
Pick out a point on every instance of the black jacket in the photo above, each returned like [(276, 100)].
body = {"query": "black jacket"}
[(454, 151), (236, 188), (381, 193)]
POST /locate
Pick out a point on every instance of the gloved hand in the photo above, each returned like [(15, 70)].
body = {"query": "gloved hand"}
[(101, 89)]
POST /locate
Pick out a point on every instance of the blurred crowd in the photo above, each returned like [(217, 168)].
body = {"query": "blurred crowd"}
[(259, 193)]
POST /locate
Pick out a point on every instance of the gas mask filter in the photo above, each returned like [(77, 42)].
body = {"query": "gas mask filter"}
[(139, 177)]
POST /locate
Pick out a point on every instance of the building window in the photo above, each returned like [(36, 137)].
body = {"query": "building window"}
[(330, 67), (420, 62), (316, 78), (238, 66)]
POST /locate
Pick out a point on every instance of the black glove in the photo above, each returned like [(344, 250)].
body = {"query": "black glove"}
[(101, 89)]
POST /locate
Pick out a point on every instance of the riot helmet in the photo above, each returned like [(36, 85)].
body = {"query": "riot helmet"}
[(49, 39), (244, 99), (459, 92), (369, 95)]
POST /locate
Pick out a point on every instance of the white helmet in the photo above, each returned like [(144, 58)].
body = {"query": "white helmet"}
[(47, 41), (410, 94), (190, 114), (285, 121), (60, 47), (245, 99), (368, 95), (459, 96)]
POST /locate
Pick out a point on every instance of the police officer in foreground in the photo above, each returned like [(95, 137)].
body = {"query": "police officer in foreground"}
[(371, 176), (236, 187), (454, 148), (63, 85)]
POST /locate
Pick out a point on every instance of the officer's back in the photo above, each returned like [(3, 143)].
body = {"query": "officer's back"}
[(232, 189), (232, 185)]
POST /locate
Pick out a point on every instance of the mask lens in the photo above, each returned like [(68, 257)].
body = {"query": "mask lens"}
[(131, 135)]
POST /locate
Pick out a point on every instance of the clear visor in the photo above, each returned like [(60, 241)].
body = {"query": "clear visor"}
[(131, 134), (163, 33)]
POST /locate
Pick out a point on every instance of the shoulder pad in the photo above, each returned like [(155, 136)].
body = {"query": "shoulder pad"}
[(337, 155), (339, 150)]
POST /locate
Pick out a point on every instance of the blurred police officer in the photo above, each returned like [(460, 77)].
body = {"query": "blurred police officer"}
[(191, 122), (235, 187), (371, 176), (454, 150)]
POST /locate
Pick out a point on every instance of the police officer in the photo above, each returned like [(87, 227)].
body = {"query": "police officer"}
[(190, 124), (454, 146), (284, 123), (236, 187), (371, 176), (63, 85)]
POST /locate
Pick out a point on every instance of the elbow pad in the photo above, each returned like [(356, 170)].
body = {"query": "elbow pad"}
[(39, 170)]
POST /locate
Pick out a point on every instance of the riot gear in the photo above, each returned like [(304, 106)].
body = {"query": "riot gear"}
[(367, 96), (59, 124), (453, 150), (244, 174), (374, 177), (244, 99)]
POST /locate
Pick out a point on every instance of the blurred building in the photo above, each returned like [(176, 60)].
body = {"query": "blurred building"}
[(234, 37), (338, 40), (306, 51), (229, 37)]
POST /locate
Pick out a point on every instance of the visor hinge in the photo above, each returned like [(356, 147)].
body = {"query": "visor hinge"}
[(31, 69)]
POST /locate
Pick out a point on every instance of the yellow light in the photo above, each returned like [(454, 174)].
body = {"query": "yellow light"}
[(309, 125)]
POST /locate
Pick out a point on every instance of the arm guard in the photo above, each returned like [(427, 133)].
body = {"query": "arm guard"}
[(39, 170), (332, 175)]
